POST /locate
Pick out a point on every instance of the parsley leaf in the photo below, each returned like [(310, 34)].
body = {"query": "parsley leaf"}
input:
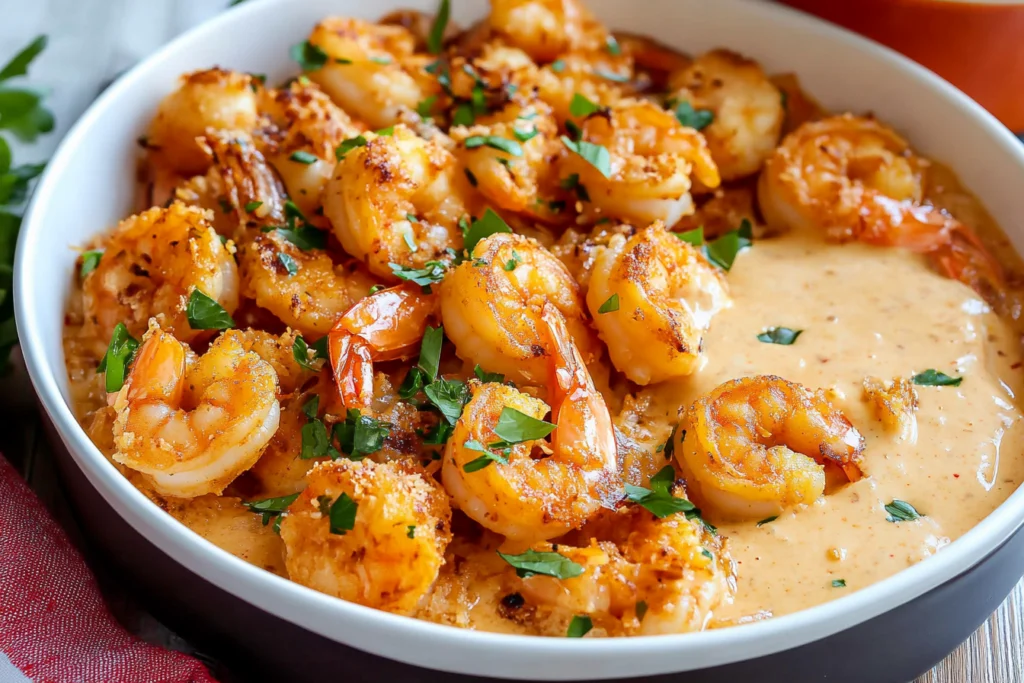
[(288, 263), (449, 395), (435, 39), (722, 252), (611, 305), (119, 356), (545, 563), (694, 237), (658, 500), (698, 119), (90, 260), (580, 106), (300, 352), (596, 155), (784, 336), (488, 376), (839, 583), (347, 146), (431, 273), (205, 313), (935, 378), (901, 511), (360, 435), (343, 515), (18, 66), (768, 520), (270, 508), (490, 224), (310, 57), (430, 352), (486, 459), (515, 426), (501, 144), (579, 626), (305, 237), (303, 157)]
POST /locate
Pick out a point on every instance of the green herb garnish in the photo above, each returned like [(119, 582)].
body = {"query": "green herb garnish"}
[(658, 500), (579, 626), (534, 562), (783, 336), (288, 263), (611, 305), (698, 119), (205, 313), (596, 155), (303, 157), (310, 57), (347, 146), (580, 106), (489, 224), (495, 142), (935, 378), (901, 511), (119, 356), (90, 260), (343, 515), (435, 39)]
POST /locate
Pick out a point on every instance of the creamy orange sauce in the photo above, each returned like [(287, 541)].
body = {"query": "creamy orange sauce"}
[(868, 312)]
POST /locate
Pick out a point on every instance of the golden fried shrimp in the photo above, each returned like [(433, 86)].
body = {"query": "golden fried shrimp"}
[(517, 495), (397, 200), (756, 445), (546, 29), (510, 153), (855, 179), (211, 99), (641, 576), (492, 312), (240, 188), (277, 351), (373, 534), (305, 288), (372, 71), (387, 325), (305, 127), (747, 109), (895, 405), (150, 265), (192, 424), (648, 168), (666, 295)]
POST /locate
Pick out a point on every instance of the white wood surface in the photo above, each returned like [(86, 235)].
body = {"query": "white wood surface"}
[(91, 41)]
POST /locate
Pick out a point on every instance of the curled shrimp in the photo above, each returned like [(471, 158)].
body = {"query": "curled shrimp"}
[(192, 424), (305, 288), (373, 71), (756, 445), (491, 307), (151, 264), (855, 179), (666, 294), (397, 200), (747, 109), (546, 29), (651, 159), (521, 497), (641, 576), (386, 325), (211, 99), (304, 129), (386, 553), (516, 174)]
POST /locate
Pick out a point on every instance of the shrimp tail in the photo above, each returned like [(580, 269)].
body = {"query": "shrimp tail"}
[(352, 362)]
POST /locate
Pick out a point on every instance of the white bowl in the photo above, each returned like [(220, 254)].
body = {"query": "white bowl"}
[(88, 187)]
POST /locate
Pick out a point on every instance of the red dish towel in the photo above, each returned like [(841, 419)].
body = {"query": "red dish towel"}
[(54, 626)]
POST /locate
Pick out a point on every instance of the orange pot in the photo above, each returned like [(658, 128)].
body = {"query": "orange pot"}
[(977, 46)]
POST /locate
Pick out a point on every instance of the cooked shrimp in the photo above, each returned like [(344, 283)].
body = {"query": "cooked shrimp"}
[(311, 298), (397, 200), (386, 552), (150, 265), (373, 71), (530, 499), (651, 159), (895, 405), (387, 325), (304, 130), (641, 576), (545, 29), (192, 424), (756, 445), (855, 179), (666, 294), (510, 153), (240, 188), (211, 99), (492, 312), (747, 109)]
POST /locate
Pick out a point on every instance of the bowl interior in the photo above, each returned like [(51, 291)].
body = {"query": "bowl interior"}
[(89, 185)]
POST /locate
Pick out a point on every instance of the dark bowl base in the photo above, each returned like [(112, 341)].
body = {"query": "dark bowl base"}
[(892, 648)]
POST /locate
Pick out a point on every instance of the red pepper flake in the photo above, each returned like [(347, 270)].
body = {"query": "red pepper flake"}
[(1016, 365), (956, 476)]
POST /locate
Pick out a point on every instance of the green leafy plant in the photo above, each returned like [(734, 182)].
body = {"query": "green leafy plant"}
[(23, 117)]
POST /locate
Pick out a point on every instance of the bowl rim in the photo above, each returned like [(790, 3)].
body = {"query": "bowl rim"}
[(433, 645)]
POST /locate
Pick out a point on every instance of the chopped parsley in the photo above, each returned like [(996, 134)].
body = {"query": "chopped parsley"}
[(489, 224), (432, 272), (252, 206), (516, 427), (558, 66), (511, 264), (288, 263), (611, 305), (360, 435), (580, 106), (425, 107), (641, 609), (309, 56), (935, 378), (119, 356), (579, 626), (347, 146), (839, 583), (90, 260), (435, 39), (698, 119), (342, 515), (596, 155), (783, 336), (612, 46), (303, 157), (501, 144), (449, 395), (271, 508), (534, 562), (722, 252), (410, 531), (205, 313), (300, 352), (768, 520), (485, 377), (658, 500), (486, 459), (901, 511)]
